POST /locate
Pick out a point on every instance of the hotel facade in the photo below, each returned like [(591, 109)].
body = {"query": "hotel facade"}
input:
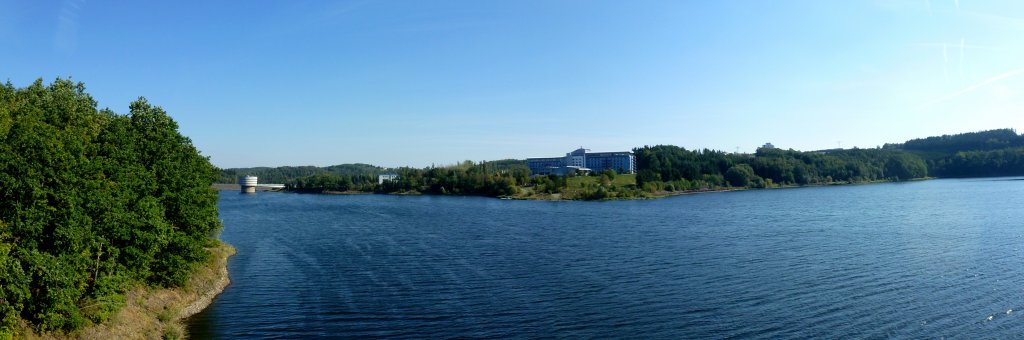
[(623, 162)]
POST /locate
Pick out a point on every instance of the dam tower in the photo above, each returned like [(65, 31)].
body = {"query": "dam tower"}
[(248, 183)]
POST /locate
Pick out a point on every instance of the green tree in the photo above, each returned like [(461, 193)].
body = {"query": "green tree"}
[(904, 166), (92, 202), (740, 175)]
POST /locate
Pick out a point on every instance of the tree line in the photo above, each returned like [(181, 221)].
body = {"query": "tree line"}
[(92, 203), (974, 154), (661, 168), (280, 175), (671, 168), (971, 141), (504, 178), (489, 178)]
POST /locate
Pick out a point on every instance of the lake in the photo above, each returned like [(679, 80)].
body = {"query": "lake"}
[(911, 260)]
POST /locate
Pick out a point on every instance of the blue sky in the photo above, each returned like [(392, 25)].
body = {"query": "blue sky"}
[(395, 83)]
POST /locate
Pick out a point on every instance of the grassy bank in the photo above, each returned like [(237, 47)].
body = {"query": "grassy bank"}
[(151, 313), (621, 186)]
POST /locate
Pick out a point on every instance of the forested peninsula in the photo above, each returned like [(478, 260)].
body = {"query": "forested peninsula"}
[(668, 170), (97, 210)]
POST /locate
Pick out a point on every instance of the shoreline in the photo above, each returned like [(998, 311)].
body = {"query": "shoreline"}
[(559, 196), (206, 298), (150, 313)]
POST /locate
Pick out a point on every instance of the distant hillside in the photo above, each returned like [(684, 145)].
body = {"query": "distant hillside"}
[(971, 141), (288, 173), (670, 168), (973, 154), (506, 164)]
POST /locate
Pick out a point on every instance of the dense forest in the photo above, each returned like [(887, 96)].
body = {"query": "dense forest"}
[(488, 178), (975, 154), (284, 174), (503, 178), (92, 203), (667, 167), (971, 141), (357, 174)]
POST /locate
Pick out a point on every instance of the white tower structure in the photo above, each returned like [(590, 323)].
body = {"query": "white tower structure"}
[(248, 183)]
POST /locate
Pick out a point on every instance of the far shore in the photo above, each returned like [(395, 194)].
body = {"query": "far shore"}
[(237, 187), (559, 196)]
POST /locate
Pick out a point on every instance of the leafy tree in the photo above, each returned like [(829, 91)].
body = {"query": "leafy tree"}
[(92, 202), (740, 175), (904, 167)]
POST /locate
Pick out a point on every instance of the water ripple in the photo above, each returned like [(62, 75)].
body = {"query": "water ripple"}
[(913, 260)]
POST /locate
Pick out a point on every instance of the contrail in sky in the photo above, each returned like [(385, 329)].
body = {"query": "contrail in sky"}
[(929, 3), (961, 57), (972, 88), (966, 47), (945, 64), (957, 2), (66, 37)]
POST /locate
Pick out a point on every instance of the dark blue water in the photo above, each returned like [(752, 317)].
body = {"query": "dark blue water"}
[(910, 260)]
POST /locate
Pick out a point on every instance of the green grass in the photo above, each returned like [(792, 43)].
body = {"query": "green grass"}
[(582, 181), (628, 179)]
